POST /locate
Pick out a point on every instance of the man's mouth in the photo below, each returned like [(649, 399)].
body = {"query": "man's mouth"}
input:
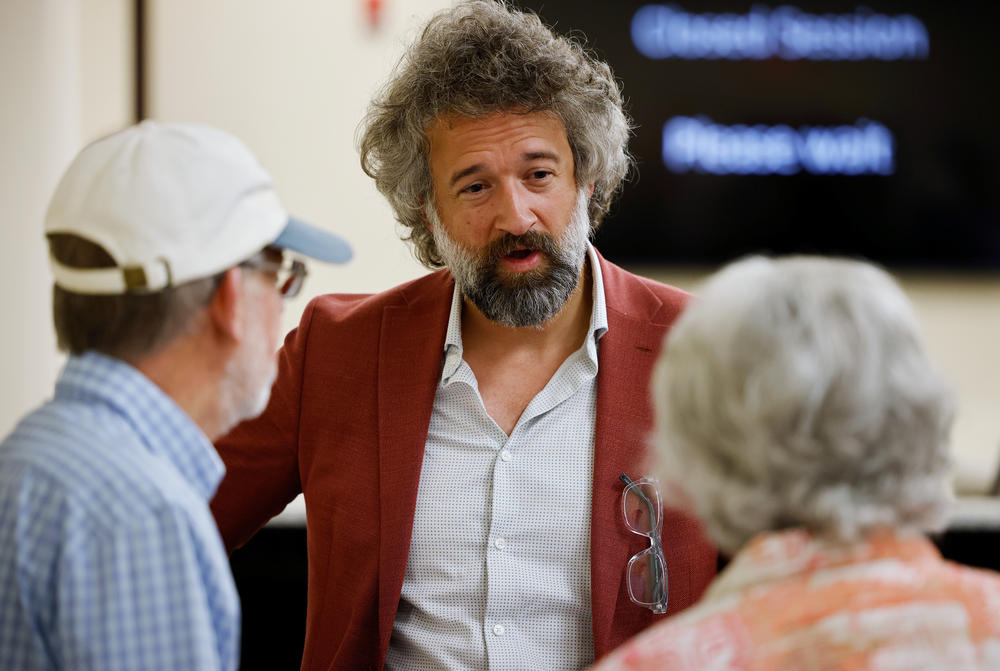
[(521, 253), (522, 259)]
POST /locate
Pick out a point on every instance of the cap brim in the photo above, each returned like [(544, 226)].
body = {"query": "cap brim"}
[(316, 243)]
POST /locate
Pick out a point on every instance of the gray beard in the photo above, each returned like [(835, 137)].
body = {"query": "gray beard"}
[(246, 388), (526, 299)]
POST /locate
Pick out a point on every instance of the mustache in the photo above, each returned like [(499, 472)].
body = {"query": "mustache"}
[(503, 246)]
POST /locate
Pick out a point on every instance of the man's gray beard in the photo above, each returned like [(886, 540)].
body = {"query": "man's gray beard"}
[(525, 299), (246, 388)]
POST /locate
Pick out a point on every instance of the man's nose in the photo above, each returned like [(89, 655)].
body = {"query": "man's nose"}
[(515, 215)]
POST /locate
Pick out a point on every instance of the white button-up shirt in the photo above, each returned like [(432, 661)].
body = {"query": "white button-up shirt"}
[(498, 574)]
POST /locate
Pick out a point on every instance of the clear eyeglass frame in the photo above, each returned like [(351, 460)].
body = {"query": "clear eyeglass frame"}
[(646, 572), (290, 274)]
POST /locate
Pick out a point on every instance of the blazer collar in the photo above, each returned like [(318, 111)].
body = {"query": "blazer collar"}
[(636, 327), (409, 368)]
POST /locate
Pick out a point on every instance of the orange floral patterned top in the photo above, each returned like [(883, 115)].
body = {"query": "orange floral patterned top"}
[(789, 601)]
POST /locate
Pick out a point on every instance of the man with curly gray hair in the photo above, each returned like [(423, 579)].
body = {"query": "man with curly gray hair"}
[(504, 62), (800, 417), (459, 439)]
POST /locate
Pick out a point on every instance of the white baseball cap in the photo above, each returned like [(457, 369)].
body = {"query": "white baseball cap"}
[(173, 203)]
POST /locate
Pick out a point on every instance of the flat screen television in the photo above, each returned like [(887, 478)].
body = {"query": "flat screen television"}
[(868, 130)]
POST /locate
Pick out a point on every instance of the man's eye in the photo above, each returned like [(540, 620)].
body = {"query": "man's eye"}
[(541, 174), (473, 188)]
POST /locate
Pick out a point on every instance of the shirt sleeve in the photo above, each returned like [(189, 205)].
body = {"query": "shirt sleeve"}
[(146, 595)]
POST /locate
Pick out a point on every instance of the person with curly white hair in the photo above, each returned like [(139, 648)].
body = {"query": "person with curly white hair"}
[(799, 417)]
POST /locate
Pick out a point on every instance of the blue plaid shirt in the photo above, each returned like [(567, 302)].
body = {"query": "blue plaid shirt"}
[(109, 556)]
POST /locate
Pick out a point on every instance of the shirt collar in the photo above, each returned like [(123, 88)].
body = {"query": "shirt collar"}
[(162, 427), (598, 321)]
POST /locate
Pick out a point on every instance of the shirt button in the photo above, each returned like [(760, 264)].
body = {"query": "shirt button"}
[(500, 543), (498, 629), (506, 455)]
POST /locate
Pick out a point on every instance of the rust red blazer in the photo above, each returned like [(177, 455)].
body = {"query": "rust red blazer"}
[(346, 425)]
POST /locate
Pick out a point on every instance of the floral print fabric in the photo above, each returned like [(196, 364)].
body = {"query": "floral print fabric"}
[(789, 601)]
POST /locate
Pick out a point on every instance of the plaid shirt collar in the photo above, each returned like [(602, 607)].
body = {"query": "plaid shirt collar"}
[(158, 421)]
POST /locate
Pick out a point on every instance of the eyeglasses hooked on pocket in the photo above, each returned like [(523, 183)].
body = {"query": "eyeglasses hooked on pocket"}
[(647, 570)]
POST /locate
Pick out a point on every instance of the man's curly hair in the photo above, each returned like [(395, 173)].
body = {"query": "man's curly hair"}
[(479, 58)]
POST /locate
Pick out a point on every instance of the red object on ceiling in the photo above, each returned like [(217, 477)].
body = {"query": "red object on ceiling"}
[(373, 10)]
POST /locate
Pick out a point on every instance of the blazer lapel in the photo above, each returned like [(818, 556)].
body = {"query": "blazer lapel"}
[(410, 353), (624, 417)]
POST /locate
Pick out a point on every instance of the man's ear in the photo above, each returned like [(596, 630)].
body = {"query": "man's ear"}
[(226, 306), (590, 190)]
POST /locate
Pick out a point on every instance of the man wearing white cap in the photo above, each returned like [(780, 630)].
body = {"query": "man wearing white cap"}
[(166, 243)]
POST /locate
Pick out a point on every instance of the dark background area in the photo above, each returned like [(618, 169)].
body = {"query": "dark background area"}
[(939, 210)]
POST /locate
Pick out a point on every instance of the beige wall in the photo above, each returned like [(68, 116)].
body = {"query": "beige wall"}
[(39, 131), (293, 80), (961, 321), (106, 63), (64, 71)]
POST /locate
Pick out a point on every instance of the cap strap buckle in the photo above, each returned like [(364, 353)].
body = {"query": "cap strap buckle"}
[(147, 278)]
